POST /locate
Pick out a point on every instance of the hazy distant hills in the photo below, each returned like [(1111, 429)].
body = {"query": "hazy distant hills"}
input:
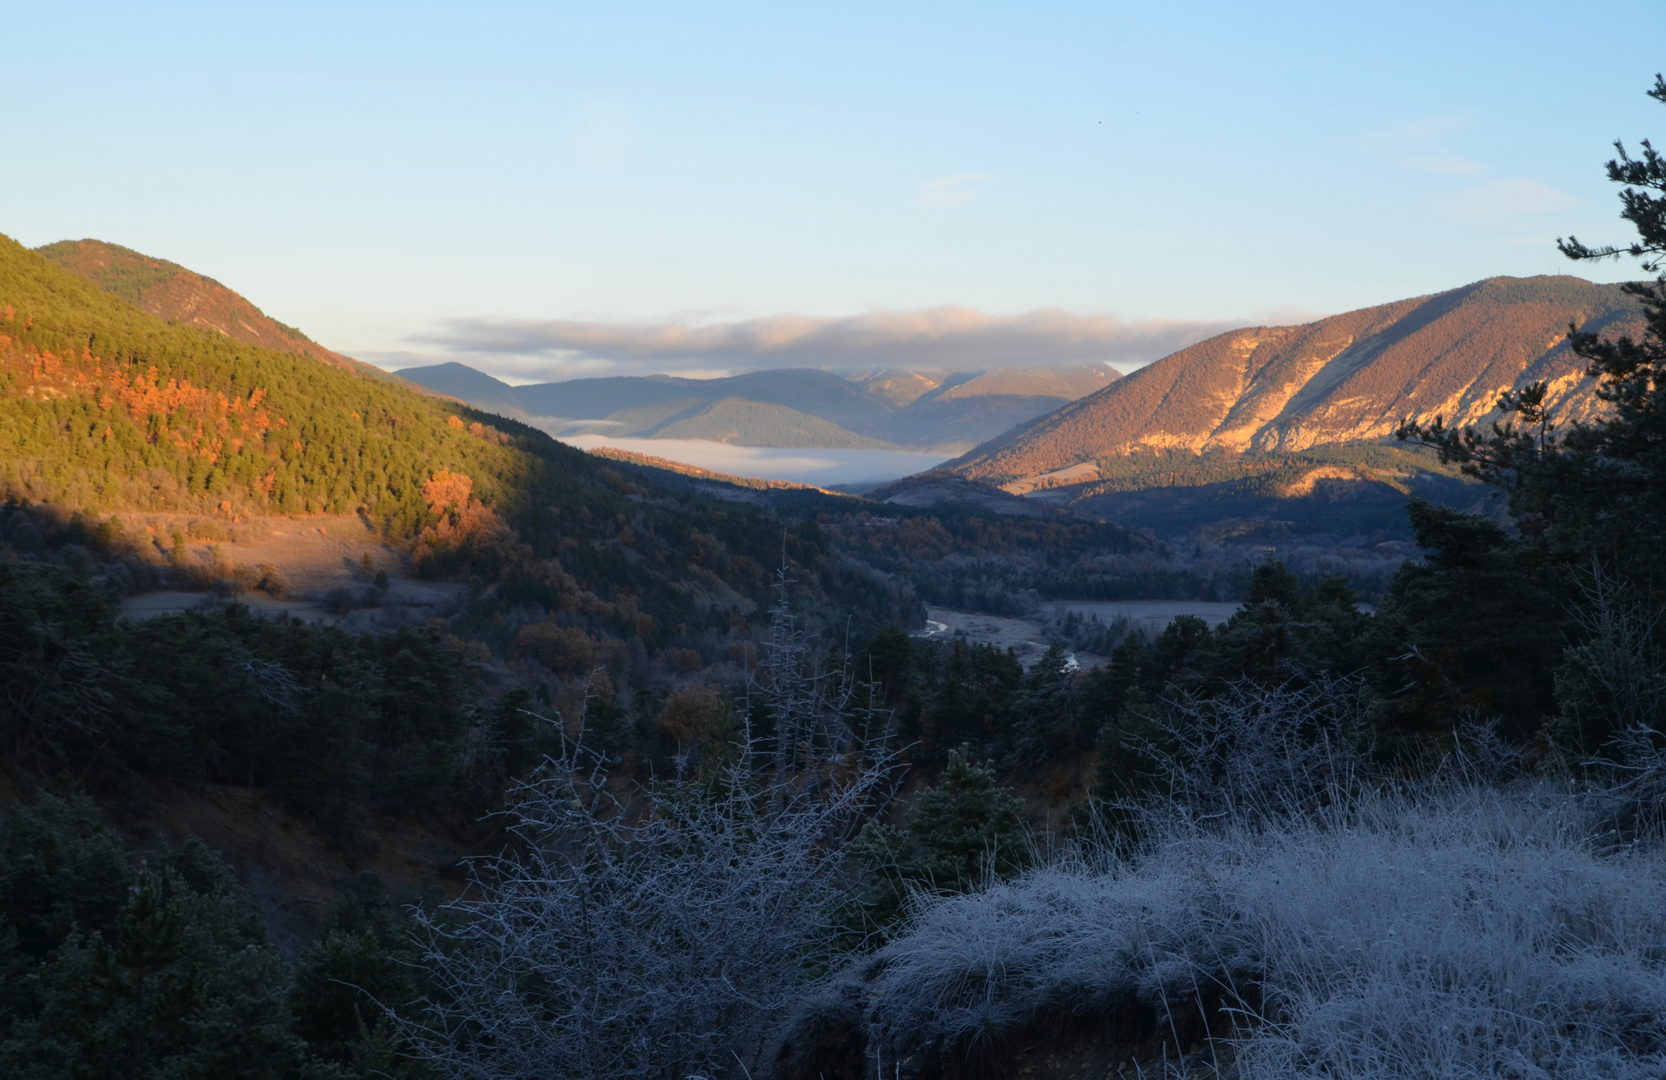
[(170, 291), (1345, 380), (792, 408), (751, 423)]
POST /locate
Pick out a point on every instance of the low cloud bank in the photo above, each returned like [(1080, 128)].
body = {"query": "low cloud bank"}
[(953, 338)]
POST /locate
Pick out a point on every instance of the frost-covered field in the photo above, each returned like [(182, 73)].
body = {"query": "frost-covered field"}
[(1475, 933)]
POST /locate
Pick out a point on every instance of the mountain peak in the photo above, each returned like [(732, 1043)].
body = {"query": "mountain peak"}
[(1353, 377), (170, 291)]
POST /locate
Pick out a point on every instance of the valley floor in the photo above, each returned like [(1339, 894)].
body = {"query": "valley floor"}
[(1025, 637), (1029, 637)]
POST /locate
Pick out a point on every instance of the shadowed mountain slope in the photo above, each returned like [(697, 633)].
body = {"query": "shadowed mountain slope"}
[(996, 400), (170, 291), (901, 387), (1068, 383), (1346, 379), (820, 393)]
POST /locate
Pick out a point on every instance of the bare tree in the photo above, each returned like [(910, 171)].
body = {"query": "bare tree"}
[(1258, 753), (1614, 679), (656, 931), (815, 708)]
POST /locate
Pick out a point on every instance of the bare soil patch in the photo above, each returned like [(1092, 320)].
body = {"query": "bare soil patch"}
[(325, 569)]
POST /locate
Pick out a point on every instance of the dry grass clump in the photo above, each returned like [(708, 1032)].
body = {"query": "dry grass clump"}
[(1473, 932)]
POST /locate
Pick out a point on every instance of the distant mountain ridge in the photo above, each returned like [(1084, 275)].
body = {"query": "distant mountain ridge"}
[(787, 407), (740, 422), (170, 291), (1347, 379)]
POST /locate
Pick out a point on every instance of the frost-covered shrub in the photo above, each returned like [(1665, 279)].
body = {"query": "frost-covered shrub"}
[(1470, 932), (1630, 805), (1252, 754), (661, 930), (1298, 916), (976, 969), (660, 936)]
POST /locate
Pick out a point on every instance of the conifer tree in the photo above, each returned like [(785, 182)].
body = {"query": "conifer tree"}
[(180, 983), (962, 832), (1595, 488)]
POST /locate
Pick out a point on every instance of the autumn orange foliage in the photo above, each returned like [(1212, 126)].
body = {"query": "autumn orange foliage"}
[(195, 421)]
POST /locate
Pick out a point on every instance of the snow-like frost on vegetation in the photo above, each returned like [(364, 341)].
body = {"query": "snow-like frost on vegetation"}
[(652, 940), (1456, 928), (1473, 933), (659, 930), (1285, 909)]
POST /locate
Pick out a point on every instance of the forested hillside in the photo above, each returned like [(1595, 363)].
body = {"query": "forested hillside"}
[(108, 406), (104, 407), (171, 292)]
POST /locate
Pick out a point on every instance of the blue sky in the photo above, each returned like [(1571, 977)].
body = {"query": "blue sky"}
[(406, 182)]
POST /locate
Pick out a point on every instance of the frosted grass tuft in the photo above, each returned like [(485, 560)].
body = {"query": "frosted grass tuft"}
[(1347, 927)]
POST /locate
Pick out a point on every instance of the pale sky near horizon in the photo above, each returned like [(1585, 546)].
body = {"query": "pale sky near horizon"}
[(559, 189)]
